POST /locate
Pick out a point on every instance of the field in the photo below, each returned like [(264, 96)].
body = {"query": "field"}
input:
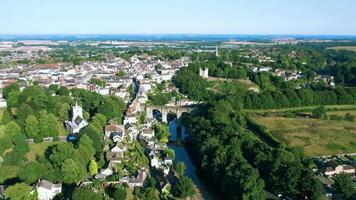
[(317, 137), (329, 108), (38, 150), (224, 86), (349, 48)]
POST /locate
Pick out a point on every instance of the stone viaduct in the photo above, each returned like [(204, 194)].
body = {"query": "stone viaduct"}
[(178, 110)]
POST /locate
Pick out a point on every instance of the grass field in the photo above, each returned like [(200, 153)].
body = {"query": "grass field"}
[(329, 108), (221, 84), (38, 150), (349, 48), (317, 137)]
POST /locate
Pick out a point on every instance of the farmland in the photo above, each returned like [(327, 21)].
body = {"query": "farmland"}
[(315, 136), (349, 48)]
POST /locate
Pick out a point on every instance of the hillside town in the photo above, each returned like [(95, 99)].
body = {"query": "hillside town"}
[(138, 151)]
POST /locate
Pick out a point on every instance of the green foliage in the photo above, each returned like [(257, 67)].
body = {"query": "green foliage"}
[(10, 88), (6, 117), (112, 107), (120, 74), (12, 128), (13, 99), (120, 193), (95, 135), (85, 193), (344, 186), (31, 172), (349, 117), (63, 111), (319, 112), (19, 191), (72, 171), (93, 168), (20, 143), (98, 82), (243, 182), (184, 188), (158, 67), (99, 120), (161, 132), (32, 126), (160, 98), (191, 84), (63, 91), (180, 168), (5, 143)]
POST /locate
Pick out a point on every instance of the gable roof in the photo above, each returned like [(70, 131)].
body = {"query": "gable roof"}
[(47, 185)]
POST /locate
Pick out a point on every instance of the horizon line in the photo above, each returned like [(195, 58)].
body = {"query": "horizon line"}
[(227, 34)]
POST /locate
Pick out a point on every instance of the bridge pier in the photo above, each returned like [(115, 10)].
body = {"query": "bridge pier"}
[(164, 115)]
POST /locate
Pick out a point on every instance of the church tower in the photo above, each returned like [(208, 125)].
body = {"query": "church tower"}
[(77, 112)]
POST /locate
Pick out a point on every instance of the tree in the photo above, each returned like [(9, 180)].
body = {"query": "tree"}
[(31, 172), (60, 152), (180, 168), (319, 112), (85, 193), (120, 193), (21, 145), (63, 111), (12, 128), (184, 188), (349, 117), (243, 182), (121, 73), (31, 128), (93, 168), (22, 113), (310, 187), (10, 88), (99, 120), (13, 99), (344, 186), (19, 191), (63, 91), (6, 117), (72, 171)]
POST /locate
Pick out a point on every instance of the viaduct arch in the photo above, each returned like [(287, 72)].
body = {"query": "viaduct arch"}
[(178, 110)]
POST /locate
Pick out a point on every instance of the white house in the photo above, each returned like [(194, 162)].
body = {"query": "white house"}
[(119, 148), (111, 128), (77, 122), (47, 190), (154, 161), (168, 161), (333, 168), (104, 173), (130, 119), (148, 133)]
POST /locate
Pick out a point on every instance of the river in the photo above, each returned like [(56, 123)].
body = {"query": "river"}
[(182, 156)]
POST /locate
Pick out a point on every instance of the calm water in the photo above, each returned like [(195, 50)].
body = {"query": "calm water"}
[(182, 156)]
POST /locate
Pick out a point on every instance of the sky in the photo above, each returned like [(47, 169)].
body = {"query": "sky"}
[(327, 17)]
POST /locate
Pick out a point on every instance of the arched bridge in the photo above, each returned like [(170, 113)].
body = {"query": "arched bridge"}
[(178, 110)]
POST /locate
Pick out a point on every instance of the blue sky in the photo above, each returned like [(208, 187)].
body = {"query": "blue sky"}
[(178, 16)]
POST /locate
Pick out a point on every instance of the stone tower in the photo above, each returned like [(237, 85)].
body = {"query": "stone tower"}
[(204, 73)]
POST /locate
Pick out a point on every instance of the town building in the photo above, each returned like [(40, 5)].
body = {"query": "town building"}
[(47, 190), (77, 122)]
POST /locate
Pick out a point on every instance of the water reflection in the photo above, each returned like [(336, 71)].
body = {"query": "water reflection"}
[(182, 156)]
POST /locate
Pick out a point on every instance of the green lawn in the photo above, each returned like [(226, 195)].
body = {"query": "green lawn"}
[(317, 137), (38, 150)]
